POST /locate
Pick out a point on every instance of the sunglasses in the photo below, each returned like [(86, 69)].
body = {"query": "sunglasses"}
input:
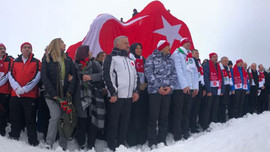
[(2, 48)]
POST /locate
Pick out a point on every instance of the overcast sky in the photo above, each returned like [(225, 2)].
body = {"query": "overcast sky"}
[(233, 28)]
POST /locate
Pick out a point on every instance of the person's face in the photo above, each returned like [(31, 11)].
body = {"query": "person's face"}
[(102, 57), (62, 46), (187, 45), (90, 54), (123, 44), (240, 64), (245, 65), (225, 61), (166, 50), (196, 54), (138, 50), (230, 66), (261, 68), (26, 50), (253, 66), (214, 58), (2, 51)]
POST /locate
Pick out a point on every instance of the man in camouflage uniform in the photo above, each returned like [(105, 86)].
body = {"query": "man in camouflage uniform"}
[(161, 76)]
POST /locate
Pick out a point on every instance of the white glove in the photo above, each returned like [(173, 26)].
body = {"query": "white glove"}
[(19, 91)]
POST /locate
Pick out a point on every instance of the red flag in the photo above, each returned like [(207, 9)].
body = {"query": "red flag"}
[(152, 24)]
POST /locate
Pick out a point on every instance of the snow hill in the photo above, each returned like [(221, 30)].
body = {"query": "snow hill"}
[(248, 134)]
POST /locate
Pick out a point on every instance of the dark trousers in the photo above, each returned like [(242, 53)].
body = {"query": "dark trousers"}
[(253, 99), (196, 104), (159, 107), (137, 130), (238, 103), (86, 129), (210, 110), (223, 104), (119, 116), (176, 114), (43, 116), (4, 113), (246, 101), (262, 101), (27, 106)]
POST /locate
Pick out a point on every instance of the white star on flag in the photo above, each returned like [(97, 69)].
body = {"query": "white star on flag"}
[(171, 32)]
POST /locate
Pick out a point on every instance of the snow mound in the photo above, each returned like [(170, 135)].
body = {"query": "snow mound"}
[(248, 134)]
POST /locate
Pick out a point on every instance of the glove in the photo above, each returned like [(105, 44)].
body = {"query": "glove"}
[(19, 91)]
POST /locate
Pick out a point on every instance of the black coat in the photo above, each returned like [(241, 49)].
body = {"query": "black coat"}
[(267, 81), (50, 74), (255, 78)]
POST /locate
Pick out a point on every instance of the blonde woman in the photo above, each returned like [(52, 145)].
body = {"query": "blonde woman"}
[(57, 67)]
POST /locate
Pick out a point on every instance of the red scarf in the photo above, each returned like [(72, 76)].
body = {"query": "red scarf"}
[(261, 79), (250, 72), (189, 56), (227, 77), (215, 76), (200, 70), (139, 65), (237, 78)]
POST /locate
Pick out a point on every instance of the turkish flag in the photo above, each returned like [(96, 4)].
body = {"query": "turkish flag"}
[(152, 24), (139, 65)]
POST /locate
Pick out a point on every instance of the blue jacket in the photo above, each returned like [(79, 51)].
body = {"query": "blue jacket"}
[(160, 72), (206, 73)]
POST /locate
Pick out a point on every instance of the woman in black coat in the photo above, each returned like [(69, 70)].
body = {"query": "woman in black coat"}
[(58, 76)]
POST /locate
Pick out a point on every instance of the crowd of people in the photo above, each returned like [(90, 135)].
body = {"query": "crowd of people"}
[(122, 97)]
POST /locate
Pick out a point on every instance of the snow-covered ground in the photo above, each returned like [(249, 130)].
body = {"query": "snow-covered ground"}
[(248, 134)]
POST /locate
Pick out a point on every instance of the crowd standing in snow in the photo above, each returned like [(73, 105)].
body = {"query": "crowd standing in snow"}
[(122, 97)]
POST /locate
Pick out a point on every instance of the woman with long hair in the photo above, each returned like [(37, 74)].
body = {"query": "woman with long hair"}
[(57, 69), (88, 98)]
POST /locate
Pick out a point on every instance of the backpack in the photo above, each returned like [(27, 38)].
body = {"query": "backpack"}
[(67, 124)]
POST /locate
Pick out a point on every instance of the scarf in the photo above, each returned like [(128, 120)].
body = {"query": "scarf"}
[(189, 59), (139, 65), (261, 79), (85, 67), (2, 67), (91, 94), (200, 70), (237, 78), (227, 77), (215, 76)]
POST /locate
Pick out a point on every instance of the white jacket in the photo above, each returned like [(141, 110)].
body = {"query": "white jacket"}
[(187, 73), (120, 75)]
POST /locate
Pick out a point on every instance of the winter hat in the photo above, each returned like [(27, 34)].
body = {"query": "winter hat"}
[(1, 44), (230, 63), (162, 44), (211, 54), (25, 43), (238, 61), (184, 40)]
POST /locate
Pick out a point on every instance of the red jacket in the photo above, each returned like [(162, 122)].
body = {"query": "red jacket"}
[(25, 75), (4, 84)]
